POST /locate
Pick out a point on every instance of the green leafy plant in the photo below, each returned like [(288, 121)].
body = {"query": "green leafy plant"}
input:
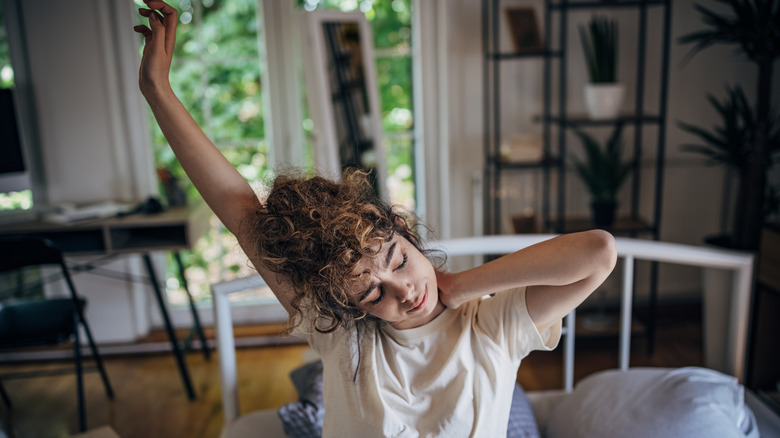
[(754, 27), (603, 170), (732, 142), (729, 142), (599, 44)]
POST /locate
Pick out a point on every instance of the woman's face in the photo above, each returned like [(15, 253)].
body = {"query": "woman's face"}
[(398, 285)]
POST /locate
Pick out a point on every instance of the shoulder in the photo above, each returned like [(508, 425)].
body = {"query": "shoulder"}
[(345, 340), (509, 303)]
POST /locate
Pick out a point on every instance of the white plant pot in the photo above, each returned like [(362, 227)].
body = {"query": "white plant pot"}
[(603, 101)]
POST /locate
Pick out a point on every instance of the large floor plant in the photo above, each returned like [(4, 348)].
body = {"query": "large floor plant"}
[(754, 27)]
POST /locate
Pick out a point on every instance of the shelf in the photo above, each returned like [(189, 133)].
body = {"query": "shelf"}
[(524, 55), (555, 117), (506, 165), (622, 225), (583, 120), (607, 4)]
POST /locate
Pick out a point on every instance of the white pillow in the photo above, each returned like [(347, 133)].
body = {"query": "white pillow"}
[(654, 402)]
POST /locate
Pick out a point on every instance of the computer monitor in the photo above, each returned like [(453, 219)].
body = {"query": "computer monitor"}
[(14, 168)]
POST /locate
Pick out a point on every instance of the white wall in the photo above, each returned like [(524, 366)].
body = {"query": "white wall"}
[(91, 126), (692, 196)]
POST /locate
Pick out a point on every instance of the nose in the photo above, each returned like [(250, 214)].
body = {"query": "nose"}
[(403, 290)]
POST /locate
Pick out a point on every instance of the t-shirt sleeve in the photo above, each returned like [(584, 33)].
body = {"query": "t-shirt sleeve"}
[(322, 343), (504, 317)]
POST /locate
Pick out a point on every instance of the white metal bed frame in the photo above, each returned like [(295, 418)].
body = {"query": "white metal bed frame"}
[(628, 249)]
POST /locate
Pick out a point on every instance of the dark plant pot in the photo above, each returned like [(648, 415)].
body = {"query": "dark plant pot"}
[(603, 214), (720, 241)]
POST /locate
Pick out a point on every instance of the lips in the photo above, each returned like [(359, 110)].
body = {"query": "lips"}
[(422, 302)]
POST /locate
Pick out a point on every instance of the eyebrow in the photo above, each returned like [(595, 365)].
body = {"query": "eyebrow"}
[(389, 257), (390, 253)]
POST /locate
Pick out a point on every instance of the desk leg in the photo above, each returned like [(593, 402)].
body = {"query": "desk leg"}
[(195, 318), (185, 375)]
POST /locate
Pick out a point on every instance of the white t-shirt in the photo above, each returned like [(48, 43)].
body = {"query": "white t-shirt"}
[(453, 377)]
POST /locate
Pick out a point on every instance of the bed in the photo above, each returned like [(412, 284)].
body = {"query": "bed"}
[(626, 401)]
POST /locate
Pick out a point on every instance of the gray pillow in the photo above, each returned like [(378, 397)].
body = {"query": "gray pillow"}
[(303, 419), (654, 402), (522, 423)]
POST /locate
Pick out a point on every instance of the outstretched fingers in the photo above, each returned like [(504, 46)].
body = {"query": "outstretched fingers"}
[(168, 20), (159, 35), (143, 30)]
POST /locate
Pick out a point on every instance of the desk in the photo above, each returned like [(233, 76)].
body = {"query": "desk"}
[(173, 230)]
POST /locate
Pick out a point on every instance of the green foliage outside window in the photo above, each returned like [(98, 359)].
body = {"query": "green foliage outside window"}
[(216, 74)]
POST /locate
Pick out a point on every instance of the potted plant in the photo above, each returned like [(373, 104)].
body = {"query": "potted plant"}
[(603, 171), (751, 25), (603, 94), (732, 143)]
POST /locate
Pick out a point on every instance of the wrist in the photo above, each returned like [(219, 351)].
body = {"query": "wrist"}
[(457, 290), (153, 92)]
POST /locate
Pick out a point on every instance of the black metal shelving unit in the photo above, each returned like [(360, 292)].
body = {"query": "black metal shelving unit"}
[(557, 118)]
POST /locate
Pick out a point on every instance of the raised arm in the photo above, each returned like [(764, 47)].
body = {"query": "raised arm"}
[(226, 192), (559, 274)]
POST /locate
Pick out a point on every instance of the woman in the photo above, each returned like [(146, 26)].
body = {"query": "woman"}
[(408, 349)]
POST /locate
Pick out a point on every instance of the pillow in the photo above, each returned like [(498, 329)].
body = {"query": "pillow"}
[(304, 418), (654, 402), (522, 423)]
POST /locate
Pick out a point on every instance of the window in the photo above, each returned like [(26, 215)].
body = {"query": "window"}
[(21, 199), (391, 23), (216, 74)]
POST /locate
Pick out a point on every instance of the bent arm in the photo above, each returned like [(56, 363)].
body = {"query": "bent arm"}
[(225, 191), (559, 274)]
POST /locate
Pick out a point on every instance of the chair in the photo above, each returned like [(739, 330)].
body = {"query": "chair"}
[(34, 323)]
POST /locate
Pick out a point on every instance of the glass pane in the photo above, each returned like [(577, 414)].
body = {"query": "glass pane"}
[(391, 26), (394, 77), (233, 93), (21, 200), (6, 71), (216, 75), (400, 164), (391, 22), (211, 29)]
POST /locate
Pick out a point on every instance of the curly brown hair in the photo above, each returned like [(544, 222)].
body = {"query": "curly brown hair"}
[(315, 231)]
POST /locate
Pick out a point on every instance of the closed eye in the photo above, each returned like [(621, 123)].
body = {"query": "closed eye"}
[(381, 289), (403, 263), (379, 298)]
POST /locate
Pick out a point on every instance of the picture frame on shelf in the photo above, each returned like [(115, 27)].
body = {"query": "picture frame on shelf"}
[(524, 29)]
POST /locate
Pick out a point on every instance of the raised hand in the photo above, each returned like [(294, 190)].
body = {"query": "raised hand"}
[(160, 39), (446, 283)]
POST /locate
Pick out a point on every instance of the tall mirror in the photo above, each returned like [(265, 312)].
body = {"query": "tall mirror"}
[(342, 94)]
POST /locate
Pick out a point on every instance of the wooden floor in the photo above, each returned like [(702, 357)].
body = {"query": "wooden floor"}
[(150, 401)]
